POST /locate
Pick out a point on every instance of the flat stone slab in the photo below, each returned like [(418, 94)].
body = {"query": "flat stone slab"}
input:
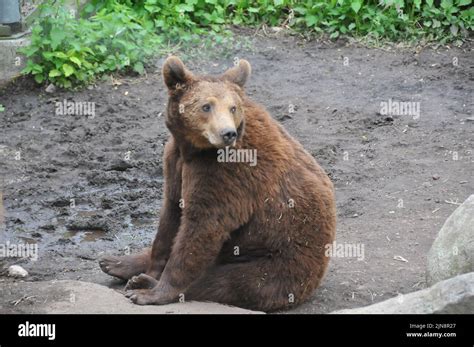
[(11, 61), (452, 296), (77, 297)]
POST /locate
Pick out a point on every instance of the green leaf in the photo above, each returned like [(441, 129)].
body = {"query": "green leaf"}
[(454, 29), (76, 61), (160, 23), (138, 67), (60, 55), (184, 8), (57, 35), (29, 51), (89, 8), (39, 78), (446, 4), (68, 70), (47, 55), (101, 48), (356, 5), (311, 20), (36, 68), (300, 10), (463, 2), (54, 73)]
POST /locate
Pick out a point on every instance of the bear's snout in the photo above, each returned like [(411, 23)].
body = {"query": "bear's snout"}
[(228, 135)]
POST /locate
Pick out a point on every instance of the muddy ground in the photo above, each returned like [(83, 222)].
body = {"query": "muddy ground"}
[(82, 186)]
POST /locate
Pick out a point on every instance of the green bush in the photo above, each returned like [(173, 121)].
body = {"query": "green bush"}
[(113, 35), (67, 51), (390, 19)]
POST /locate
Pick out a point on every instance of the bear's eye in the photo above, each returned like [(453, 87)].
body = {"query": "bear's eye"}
[(233, 109), (206, 107)]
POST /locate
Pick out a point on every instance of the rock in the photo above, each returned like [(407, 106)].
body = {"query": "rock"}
[(452, 252), (17, 271), (5, 30), (453, 296), (10, 66), (50, 89), (77, 297), (119, 165)]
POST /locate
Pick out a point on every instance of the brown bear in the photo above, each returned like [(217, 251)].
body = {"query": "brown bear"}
[(234, 231)]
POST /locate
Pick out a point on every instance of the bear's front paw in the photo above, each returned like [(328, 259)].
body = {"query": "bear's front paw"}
[(141, 281), (150, 297)]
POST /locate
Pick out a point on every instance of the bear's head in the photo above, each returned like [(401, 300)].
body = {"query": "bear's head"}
[(205, 111)]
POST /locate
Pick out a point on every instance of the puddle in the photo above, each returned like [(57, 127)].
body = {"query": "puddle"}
[(27, 240), (86, 213), (86, 230), (140, 222), (85, 235)]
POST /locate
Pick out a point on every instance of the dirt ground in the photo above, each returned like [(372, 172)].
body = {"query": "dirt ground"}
[(84, 186)]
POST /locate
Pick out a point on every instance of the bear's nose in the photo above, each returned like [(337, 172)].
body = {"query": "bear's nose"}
[(228, 135)]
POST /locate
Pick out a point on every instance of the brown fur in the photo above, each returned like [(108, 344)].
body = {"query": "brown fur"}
[(280, 213)]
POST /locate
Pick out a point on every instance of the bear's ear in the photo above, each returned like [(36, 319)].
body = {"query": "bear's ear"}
[(239, 73), (175, 73)]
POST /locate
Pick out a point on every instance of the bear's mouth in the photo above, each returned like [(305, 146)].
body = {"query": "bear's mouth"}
[(217, 141)]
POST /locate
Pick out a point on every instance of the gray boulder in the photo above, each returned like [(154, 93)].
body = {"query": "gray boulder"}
[(452, 296), (452, 252)]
